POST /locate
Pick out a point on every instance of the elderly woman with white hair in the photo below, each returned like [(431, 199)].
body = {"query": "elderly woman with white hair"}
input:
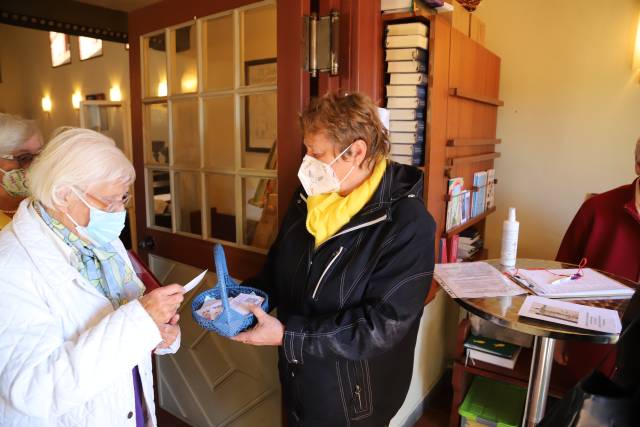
[(77, 332), (20, 142)]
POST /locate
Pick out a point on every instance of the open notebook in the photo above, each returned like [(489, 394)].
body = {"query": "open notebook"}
[(591, 284)]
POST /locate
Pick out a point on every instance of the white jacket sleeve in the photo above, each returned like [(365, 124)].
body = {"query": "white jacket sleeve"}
[(41, 374)]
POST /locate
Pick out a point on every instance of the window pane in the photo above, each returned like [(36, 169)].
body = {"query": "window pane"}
[(259, 123), (106, 119), (161, 203), (156, 132), (219, 132), (188, 202), (260, 201), (218, 55), (155, 56), (186, 139), (259, 43), (184, 71), (221, 204)]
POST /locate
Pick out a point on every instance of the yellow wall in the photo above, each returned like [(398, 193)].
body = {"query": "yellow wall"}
[(571, 114), (26, 57)]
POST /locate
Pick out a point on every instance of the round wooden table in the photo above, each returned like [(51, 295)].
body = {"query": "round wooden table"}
[(503, 311)]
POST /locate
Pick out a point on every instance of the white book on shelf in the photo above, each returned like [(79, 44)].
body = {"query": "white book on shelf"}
[(404, 138), (405, 149), (408, 54), (405, 160), (406, 91), (408, 79), (493, 359), (405, 102), (407, 29), (405, 114), (405, 67), (395, 4), (406, 41), (405, 125)]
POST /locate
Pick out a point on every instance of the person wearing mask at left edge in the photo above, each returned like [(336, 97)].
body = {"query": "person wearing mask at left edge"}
[(20, 143)]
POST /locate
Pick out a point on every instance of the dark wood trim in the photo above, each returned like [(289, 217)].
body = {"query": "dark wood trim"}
[(360, 53), (65, 16), (462, 93), (471, 222), (455, 161), (468, 142)]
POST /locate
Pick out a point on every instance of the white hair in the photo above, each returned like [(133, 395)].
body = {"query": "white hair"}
[(15, 131), (76, 158)]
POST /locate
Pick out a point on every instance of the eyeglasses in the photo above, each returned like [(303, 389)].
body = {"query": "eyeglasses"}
[(112, 205), (23, 159)]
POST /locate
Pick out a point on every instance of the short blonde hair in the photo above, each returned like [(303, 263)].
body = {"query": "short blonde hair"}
[(76, 158), (15, 131)]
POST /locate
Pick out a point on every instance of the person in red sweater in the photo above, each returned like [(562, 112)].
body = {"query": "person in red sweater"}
[(605, 231)]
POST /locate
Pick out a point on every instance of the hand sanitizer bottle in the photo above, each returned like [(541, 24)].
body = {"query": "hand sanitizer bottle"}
[(509, 249)]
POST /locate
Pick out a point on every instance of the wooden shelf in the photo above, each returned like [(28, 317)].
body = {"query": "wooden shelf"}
[(461, 93), (419, 15), (472, 221), (481, 255), (455, 161), (469, 142)]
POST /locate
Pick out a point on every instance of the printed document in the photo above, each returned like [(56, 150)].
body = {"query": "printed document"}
[(474, 280), (570, 314)]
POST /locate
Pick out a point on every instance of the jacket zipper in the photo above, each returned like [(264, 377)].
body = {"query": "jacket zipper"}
[(333, 259), (358, 395), (349, 230)]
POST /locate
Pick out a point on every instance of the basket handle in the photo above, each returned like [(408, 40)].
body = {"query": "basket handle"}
[(224, 280)]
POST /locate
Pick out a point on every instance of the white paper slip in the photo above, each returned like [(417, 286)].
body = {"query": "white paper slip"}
[(590, 284), (193, 283), (570, 314), (474, 280)]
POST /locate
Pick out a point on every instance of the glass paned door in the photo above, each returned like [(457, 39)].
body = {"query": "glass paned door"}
[(210, 127)]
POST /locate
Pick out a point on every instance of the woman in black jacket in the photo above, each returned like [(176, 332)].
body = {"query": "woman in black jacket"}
[(349, 272)]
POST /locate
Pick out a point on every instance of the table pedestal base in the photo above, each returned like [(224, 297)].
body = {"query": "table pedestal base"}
[(539, 377)]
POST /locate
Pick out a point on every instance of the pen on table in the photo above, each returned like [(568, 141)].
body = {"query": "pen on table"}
[(562, 280)]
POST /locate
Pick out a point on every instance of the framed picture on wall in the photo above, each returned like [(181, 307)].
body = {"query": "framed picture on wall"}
[(60, 49), (260, 108), (89, 48)]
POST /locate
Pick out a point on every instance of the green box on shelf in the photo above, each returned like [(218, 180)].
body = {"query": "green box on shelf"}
[(492, 403)]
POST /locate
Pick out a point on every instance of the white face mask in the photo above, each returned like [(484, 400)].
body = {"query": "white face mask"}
[(318, 177)]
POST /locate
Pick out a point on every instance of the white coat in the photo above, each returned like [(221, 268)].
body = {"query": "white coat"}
[(65, 354)]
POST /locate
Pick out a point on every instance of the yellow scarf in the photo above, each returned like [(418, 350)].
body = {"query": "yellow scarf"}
[(4, 220), (328, 213)]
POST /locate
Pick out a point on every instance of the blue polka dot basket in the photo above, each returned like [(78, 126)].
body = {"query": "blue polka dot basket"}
[(229, 322)]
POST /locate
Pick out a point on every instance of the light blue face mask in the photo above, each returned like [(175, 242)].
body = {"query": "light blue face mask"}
[(103, 227)]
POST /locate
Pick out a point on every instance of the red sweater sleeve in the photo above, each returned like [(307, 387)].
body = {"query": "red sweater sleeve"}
[(572, 248)]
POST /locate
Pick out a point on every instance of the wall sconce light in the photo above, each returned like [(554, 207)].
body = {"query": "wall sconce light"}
[(162, 88), (46, 104), (75, 100), (114, 94), (189, 83), (636, 49)]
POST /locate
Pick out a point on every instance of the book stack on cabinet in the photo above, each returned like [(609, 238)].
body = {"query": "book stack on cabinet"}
[(406, 67)]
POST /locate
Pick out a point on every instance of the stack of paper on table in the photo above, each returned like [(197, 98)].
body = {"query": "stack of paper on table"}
[(474, 280), (570, 314), (591, 284)]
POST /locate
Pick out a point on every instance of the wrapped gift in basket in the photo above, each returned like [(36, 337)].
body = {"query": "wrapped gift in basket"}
[(222, 309)]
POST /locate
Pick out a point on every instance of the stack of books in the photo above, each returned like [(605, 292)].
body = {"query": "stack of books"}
[(469, 243), (492, 351), (406, 58)]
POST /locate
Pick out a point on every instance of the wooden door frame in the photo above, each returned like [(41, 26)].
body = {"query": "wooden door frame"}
[(293, 93)]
